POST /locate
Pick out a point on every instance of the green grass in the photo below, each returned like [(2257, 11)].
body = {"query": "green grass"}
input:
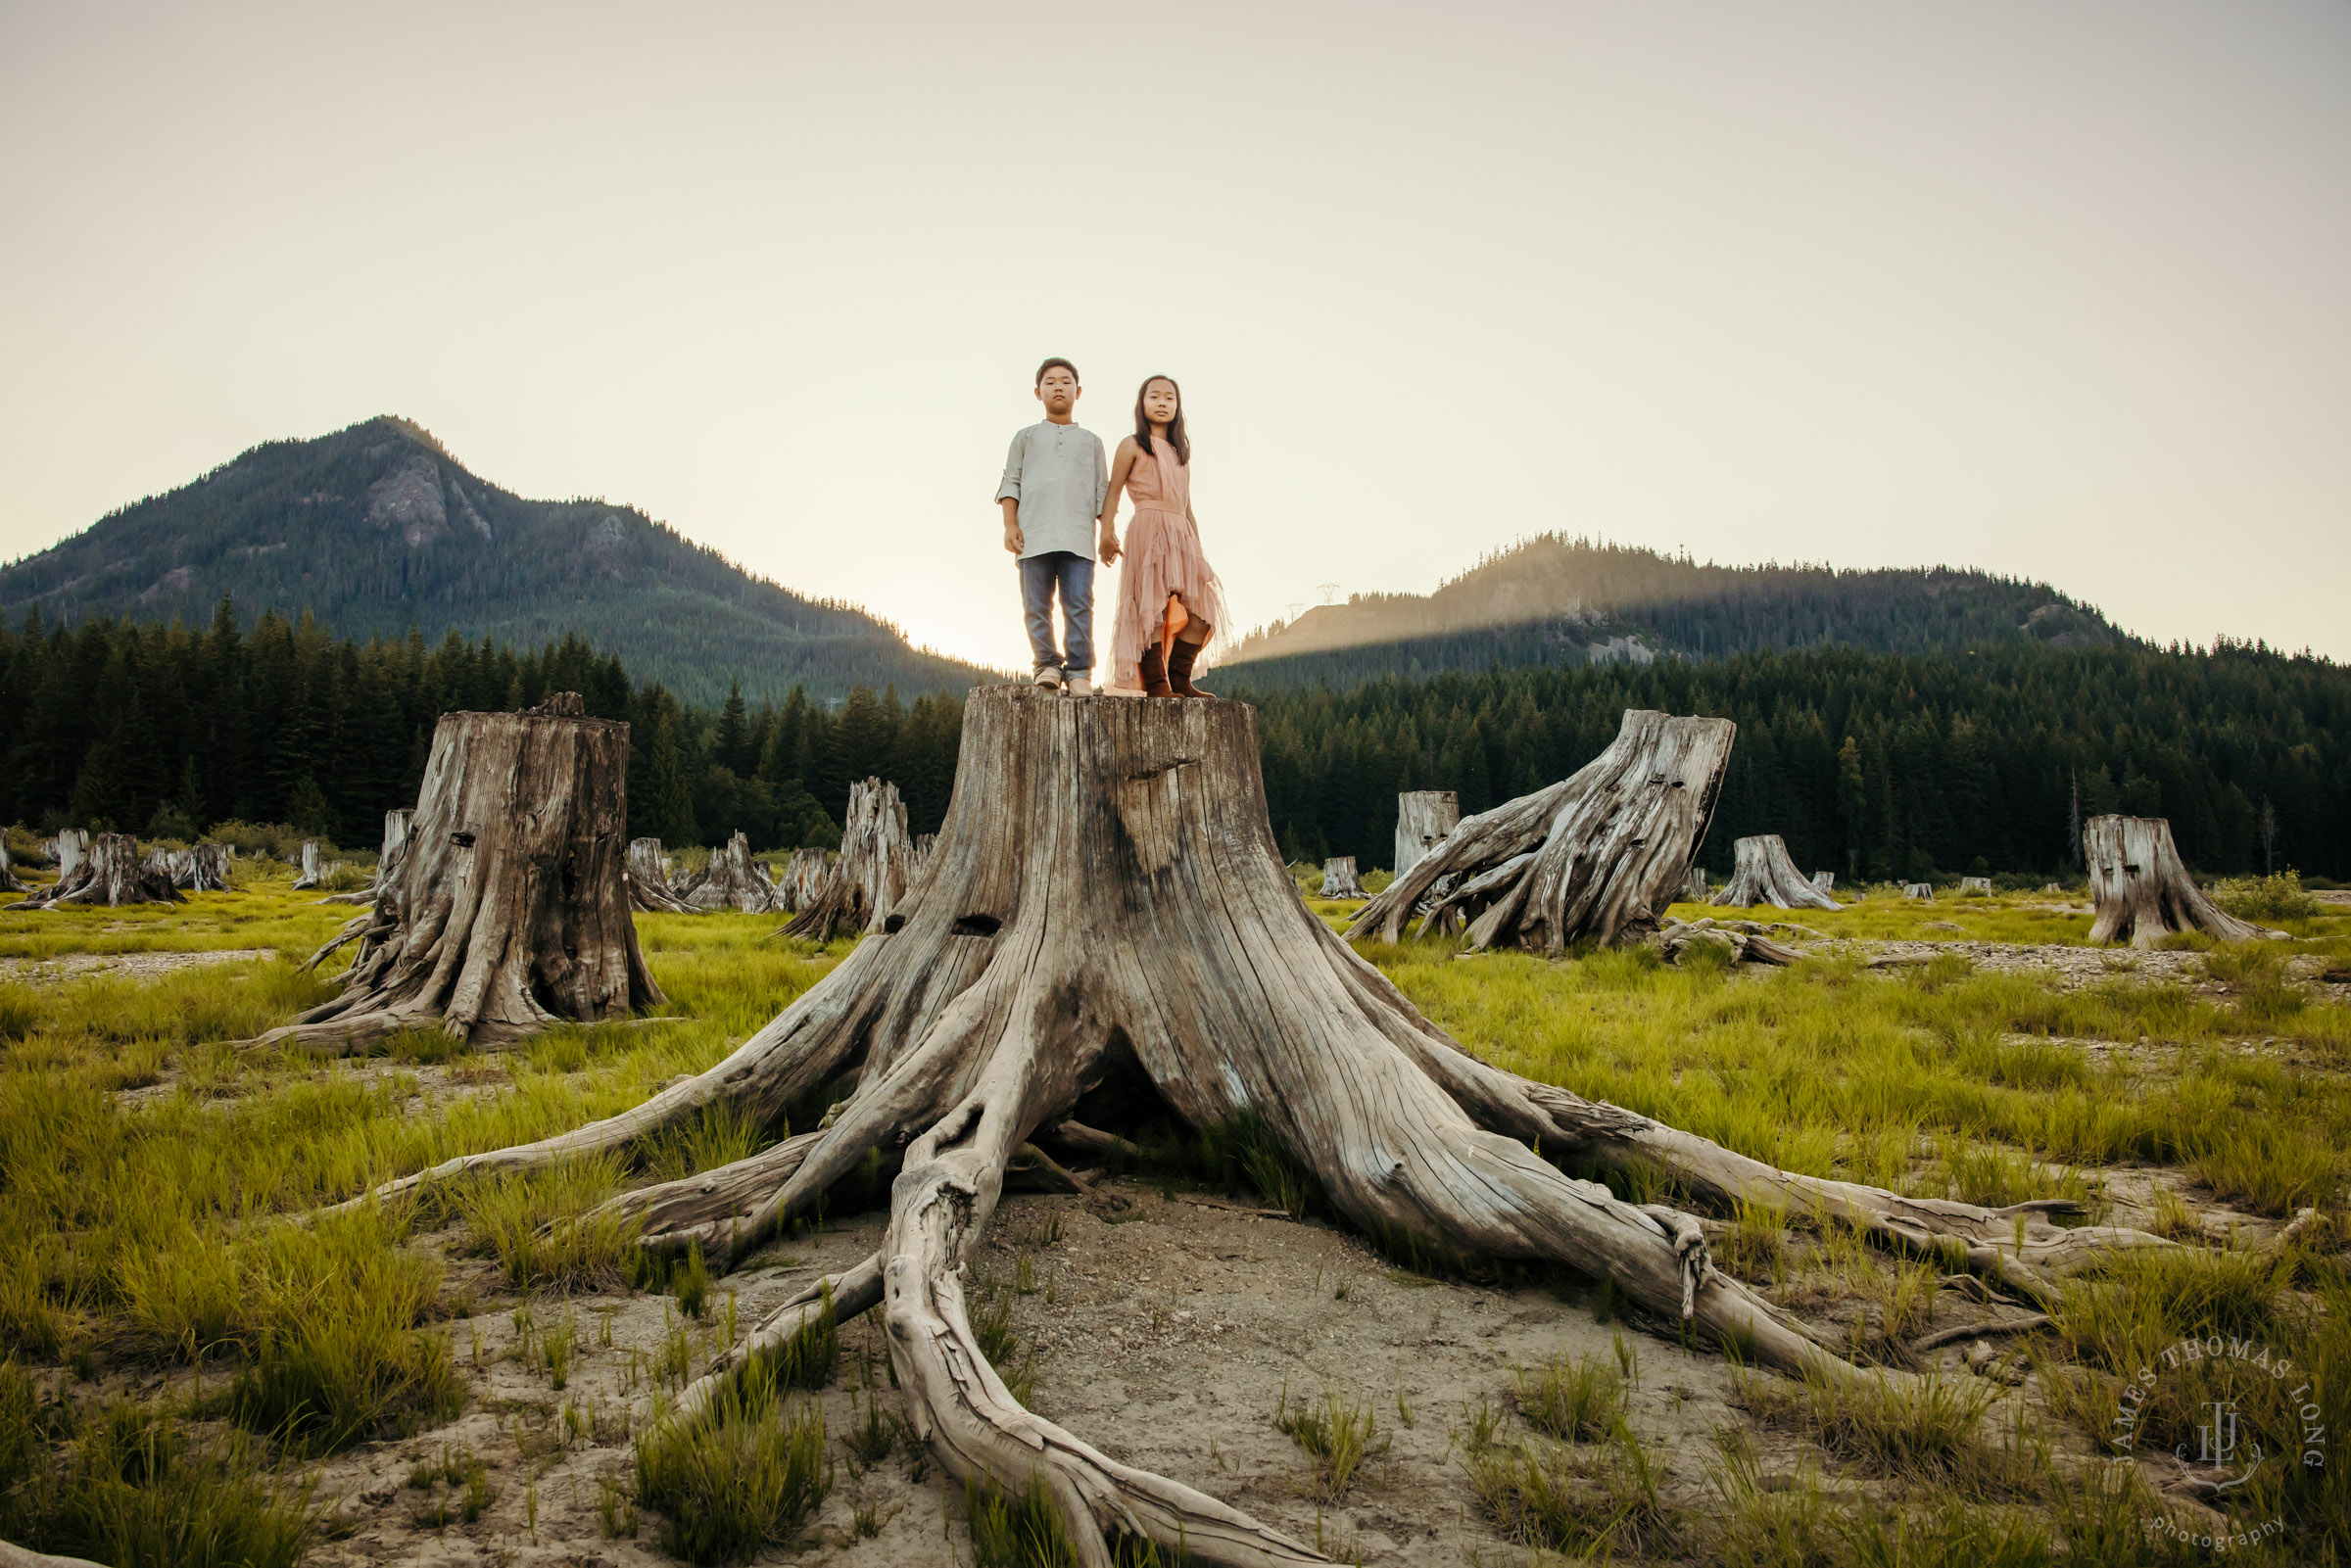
[(1337, 1434), (748, 1473)]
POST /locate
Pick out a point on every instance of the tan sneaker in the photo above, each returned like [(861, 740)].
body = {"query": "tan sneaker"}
[(1080, 686)]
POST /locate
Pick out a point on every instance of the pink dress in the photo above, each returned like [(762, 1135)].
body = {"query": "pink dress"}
[(1162, 558)]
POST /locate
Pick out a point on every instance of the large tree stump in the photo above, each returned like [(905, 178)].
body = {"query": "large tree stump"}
[(802, 877), (1107, 910), (649, 880), (1339, 879), (511, 912), (1423, 817), (1598, 856), (2142, 888), (875, 866), (733, 880), (1762, 872), (110, 873)]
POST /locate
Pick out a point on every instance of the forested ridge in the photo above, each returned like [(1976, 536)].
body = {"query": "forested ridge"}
[(1552, 599), (1871, 765), (378, 528)]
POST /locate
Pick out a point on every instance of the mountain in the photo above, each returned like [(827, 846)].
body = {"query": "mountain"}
[(1552, 599), (378, 528)]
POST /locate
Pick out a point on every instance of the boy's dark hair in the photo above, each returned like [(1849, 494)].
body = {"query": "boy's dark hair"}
[(1142, 421), (1051, 364)]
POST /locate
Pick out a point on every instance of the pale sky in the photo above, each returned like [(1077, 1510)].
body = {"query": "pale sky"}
[(2060, 290)]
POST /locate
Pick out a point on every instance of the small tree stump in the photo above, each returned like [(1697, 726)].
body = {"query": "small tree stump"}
[(1423, 817), (804, 878), (386, 861), (733, 880), (110, 873), (649, 880), (207, 870), (10, 883), (1694, 886), (875, 867), (1981, 886), (1762, 872), (1923, 892), (1824, 880), (511, 912), (67, 850), (2143, 889), (310, 874), (1596, 857), (1339, 879)]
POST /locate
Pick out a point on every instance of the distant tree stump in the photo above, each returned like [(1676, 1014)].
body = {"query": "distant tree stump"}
[(649, 880), (511, 912), (733, 880), (1423, 817), (386, 861), (309, 874), (10, 883), (111, 874), (2142, 888), (68, 848), (873, 872), (804, 878), (1824, 881), (1594, 857), (1923, 892), (1339, 879), (1694, 886), (207, 870), (1762, 872), (1108, 912), (1975, 884)]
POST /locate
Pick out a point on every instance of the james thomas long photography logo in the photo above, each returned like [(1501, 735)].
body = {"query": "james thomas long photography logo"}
[(2255, 1414)]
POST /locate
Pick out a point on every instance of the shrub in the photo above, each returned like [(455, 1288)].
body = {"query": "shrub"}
[(2267, 898)]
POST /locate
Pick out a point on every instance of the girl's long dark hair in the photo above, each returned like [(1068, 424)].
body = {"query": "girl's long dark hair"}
[(1142, 422)]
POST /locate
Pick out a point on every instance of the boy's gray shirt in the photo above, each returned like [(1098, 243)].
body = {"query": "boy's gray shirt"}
[(1059, 476)]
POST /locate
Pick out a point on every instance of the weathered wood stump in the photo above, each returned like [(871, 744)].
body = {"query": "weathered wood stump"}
[(1980, 886), (649, 880), (1107, 921), (511, 912), (111, 874), (205, 870), (67, 850), (804, 878), (1762, 872), (1923, 892), (1339, 879), (386, 861), (871, 874), (1596, 857), (924, 844), (1423, 817), (2142, 888), (309, 874), (10, 883), (1824, 880), (733, 880), (1694, 886)]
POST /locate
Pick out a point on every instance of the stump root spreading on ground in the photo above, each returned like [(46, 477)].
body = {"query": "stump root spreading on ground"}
[(1108, 922)]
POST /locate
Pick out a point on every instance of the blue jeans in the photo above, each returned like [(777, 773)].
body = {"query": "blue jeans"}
[(1073, 575)]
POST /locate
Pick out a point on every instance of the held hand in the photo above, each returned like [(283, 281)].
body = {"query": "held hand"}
[(1109, 548), (1014, 539)]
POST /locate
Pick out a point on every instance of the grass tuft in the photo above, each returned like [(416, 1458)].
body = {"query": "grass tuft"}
[(746, 1475)]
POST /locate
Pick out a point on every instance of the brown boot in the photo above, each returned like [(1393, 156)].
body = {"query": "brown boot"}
[(1155, 675), (1179, 671)]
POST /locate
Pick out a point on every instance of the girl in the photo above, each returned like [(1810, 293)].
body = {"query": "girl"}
[(1170, 602)]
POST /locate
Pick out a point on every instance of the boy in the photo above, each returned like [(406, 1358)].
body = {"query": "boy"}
[(1054, 481)]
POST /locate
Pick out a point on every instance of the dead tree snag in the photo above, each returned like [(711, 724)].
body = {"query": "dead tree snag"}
[(1597, 856), (874, 869), (1423, 817), (649, 880), (111, 874), (2143, 889), (1339, 879), (733, 880), (511, 912), (1765, 873)]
